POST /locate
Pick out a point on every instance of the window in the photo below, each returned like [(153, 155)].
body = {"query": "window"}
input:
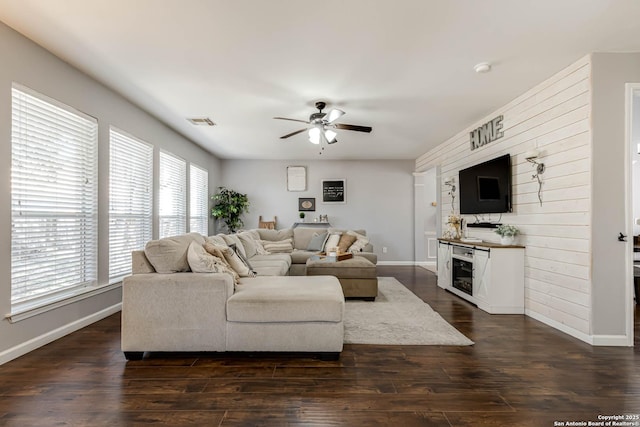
[(53, 200), (199, 196), (130, 200), (173, 195)]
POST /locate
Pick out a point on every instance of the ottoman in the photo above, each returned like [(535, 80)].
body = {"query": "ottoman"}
[(357, 276)]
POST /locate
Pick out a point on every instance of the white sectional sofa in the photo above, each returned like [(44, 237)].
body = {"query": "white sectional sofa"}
[(166, 307)]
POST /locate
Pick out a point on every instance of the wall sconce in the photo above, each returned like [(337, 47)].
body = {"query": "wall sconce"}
[(451, 183), (531, 157)]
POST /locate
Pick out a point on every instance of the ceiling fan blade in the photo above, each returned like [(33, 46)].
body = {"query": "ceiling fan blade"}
[(353, 127), (293, 120), (333, 115), (292, 133)]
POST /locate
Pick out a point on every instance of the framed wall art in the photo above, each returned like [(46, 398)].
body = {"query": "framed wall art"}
[(296, 178), (307, 204), (334, 190)]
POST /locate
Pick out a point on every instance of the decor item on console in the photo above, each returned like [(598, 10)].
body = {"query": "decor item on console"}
[(455, 227), (229, 207), (302, 215), (507, 233)]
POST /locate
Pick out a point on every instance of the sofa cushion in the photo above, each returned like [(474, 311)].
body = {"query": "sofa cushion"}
[(317, 242), (275, 235), (273, 267), (248, 239), (302, 236), (218, 251), (231, 257), (346, 240), (280, 257), (361, 242), (287, 299), (281, 246), (233, 239), (217, 240), (169, 255), (301, 257), (332, 240), (202, 261)]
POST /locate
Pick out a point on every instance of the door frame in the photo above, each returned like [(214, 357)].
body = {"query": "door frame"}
[(630, 90)]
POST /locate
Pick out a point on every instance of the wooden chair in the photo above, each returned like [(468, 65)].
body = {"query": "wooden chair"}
[(271, 225)]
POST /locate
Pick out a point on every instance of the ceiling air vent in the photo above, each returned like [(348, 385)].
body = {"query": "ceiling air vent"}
[(202, 121)]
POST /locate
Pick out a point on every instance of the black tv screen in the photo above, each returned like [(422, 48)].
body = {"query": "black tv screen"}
[(486, 187)]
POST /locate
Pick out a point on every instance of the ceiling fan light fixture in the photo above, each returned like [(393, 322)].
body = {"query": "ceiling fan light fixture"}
[(314, 135), (330, 135), (334, 114)]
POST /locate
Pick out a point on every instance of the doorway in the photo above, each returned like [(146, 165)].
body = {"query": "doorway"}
[(426, 219), (633, 194)]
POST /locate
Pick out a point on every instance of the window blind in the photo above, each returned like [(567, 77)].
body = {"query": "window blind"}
[(172, 201), (53, 199), (198, 202), (130, 200)]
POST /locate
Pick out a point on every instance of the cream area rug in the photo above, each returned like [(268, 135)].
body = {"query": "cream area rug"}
[(399, 317)]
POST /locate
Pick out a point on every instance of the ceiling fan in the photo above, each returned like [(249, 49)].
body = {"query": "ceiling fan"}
[(321, 125)]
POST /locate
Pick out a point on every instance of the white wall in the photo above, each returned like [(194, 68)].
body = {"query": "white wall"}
[(379, 197), (28, 64), (611, 72), (553, 117)]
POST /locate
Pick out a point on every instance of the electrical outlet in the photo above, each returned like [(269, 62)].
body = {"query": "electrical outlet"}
[(384, 249)]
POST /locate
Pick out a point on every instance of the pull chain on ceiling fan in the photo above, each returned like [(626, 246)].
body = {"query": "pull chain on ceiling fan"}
[(321, 126)]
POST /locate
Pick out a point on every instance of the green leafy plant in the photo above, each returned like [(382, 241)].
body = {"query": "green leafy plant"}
[(229, 206), (506, 230), (302, 215)]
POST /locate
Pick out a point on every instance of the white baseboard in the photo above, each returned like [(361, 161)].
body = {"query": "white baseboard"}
[(595, 340), (560, 326), (612, 340), (37, 342)]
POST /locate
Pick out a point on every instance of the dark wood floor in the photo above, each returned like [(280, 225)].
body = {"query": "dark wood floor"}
[(519, 373)]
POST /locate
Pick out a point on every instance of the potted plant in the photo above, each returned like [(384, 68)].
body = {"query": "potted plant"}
[(228, 206), (302, 215), (507, 233)]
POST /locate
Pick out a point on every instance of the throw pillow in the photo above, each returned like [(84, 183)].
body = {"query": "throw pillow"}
[(317, 242), (359, 244), (281, 246), (216, 240), (202, 261), (245, 261), (346, 240), (169, 255), (232, 239), (332, 241), (249, 243), (231, 257)]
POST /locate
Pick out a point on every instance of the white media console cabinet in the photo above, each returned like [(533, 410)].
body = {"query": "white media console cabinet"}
[(489, 275)]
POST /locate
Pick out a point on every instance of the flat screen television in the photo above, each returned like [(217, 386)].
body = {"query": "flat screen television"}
[(486, 187)]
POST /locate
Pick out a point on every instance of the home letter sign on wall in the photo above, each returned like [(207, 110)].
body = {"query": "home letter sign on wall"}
[(486, 133)]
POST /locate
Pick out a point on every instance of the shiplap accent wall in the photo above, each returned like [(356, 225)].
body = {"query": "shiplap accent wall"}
[(554, 118)]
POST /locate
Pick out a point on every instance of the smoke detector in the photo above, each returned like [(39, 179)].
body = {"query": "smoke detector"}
[(483, 67)]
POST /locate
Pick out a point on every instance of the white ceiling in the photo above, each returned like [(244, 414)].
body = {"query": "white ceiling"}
[(404, 67)]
